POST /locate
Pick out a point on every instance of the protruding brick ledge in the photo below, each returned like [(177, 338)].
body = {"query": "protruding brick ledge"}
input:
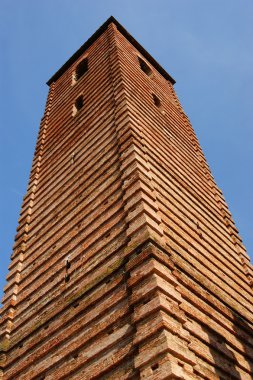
[(142, 217), (18, 256)]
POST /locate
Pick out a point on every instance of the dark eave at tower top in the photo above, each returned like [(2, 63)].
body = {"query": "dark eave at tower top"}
[(93, 38)]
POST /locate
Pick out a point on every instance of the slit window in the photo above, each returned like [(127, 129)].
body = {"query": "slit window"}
[(78, 105), (156, 100), (145, 67), (81, 69)]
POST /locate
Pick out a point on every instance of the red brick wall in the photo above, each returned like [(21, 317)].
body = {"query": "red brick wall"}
[(121, 200)]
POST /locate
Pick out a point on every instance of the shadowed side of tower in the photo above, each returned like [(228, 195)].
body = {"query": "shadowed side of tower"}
[(127, 263)]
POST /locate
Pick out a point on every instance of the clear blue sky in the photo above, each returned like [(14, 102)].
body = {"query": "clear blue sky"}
[(206, 45)]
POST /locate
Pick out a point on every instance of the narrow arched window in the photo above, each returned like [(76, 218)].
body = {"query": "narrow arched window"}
[(78, 104), (145, 67), (81, 69)]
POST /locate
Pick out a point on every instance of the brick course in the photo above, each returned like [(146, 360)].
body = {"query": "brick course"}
[(126, 263)]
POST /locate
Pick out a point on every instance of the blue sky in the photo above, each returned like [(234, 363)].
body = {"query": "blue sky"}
[(206, 45)]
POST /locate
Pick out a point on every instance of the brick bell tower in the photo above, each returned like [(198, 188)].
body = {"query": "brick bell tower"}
[(127, 263)]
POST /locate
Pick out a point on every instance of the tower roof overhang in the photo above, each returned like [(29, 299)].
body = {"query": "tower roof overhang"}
[(95, 36)]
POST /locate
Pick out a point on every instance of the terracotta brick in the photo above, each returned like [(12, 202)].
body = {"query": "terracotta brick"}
[(127, 262)]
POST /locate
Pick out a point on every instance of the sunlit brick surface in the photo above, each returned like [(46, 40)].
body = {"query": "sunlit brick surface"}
[(127, 263)]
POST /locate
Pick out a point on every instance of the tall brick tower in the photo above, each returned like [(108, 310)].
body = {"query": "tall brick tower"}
[(127, 263)]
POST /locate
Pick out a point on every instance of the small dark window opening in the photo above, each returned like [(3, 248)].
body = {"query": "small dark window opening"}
[(78, 104), (147, 70), (156, 100), (155, 366), (81, 69)]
